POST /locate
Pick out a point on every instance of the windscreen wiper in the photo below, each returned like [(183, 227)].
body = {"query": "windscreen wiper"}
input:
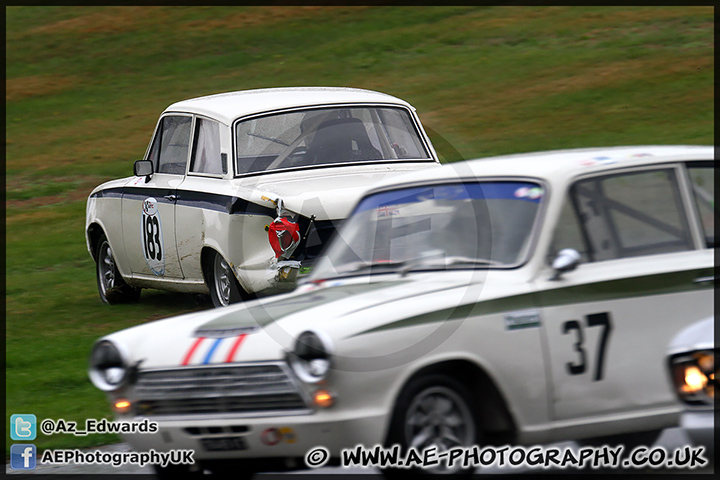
[(442, 262)]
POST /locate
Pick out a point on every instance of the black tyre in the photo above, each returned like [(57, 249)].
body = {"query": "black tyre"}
[(111, 286), (435, 410), (237, 470), (224, 287), (171, 472), (230, 470)]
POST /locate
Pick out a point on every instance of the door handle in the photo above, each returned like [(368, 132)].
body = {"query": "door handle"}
[(172, 198), (710, 278)]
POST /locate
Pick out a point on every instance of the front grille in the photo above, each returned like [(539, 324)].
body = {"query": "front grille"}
[(248, 389)]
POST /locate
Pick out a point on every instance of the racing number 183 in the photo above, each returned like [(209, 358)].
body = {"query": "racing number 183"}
[(151, 237), (593, 320)]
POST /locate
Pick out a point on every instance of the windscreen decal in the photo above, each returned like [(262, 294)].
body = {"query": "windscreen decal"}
[(387, 211), (152, 237), (498, 190), (526, 192)]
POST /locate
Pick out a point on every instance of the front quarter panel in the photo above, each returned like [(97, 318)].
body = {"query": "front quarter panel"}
[(379, 361), (104, 209)]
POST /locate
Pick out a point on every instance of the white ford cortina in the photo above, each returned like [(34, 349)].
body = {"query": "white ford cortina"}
[(519, 299), (238, 192)]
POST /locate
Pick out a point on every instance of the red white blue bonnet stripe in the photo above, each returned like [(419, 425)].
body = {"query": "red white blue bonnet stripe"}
[(205, 351)]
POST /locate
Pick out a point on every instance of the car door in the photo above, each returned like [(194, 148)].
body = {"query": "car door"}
[(148, 204), (203, 200), (608, 322)]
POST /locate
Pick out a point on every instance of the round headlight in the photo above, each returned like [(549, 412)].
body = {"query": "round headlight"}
[(311, 357), (108, 369)]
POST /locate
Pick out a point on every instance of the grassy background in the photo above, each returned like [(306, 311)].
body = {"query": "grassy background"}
[(85, 86)]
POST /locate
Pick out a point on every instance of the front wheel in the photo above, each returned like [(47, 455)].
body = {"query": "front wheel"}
[(433, 411), (171, 472), (111, 286), (224, 287)]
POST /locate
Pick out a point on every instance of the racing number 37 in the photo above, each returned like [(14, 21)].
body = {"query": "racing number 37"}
[(579, 366)]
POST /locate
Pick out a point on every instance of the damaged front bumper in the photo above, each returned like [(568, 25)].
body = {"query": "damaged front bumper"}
[(269, 277), (287, 271)]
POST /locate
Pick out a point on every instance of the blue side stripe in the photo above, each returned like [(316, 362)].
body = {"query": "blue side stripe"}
[(211, 351)]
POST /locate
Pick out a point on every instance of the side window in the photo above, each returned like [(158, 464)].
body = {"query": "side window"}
[(631, 214), (206, 148), (703, 189), (170, 146), (400, 131)]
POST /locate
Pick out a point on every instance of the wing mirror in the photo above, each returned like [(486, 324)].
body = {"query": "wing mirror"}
[(566, 260), (143, 168)]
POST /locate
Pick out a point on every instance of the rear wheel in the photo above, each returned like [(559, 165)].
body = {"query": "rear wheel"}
[(433, 411), (111, 286), (224, 287)]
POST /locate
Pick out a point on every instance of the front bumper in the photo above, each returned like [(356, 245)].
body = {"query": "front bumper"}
[(268, 276), (286, 271), (267, 437), (699, 426)]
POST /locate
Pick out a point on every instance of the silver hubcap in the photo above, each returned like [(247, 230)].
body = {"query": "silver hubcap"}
[(222, 280), (439, 417), (107, 268)]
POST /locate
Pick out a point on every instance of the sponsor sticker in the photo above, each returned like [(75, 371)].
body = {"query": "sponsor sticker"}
[(522, 319), (273, 436)]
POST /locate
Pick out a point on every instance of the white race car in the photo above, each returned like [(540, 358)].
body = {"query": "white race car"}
[(238, 192), (519, 299), (693, 368)]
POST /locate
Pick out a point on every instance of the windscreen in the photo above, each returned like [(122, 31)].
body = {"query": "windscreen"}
[(462, 225)]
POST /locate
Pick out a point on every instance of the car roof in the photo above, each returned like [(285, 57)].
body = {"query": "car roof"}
[(557, 165), (229, 106)]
